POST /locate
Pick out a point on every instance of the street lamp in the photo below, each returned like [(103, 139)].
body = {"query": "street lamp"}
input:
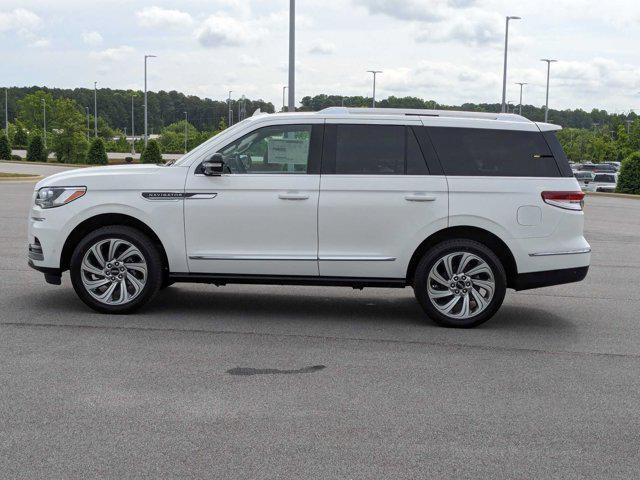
[(6, 112), (522, 84), (133, 132), (44, 122), (95, 109), (546, 105), (87, 110), (374, 72), (504, 73), (292, 56), (230, 111), (284, 107), (185, 131), (146, 136)]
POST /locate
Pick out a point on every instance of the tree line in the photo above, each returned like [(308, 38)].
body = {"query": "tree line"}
[(595, 136)]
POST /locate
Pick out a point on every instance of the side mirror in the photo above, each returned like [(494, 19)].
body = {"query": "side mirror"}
[(214, 166)]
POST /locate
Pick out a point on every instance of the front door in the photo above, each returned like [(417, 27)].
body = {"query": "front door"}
[(260, 216)]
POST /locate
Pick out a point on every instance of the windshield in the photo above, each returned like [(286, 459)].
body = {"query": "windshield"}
[(582, 175)]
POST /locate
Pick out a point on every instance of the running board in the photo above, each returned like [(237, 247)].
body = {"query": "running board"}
[(224, 279)]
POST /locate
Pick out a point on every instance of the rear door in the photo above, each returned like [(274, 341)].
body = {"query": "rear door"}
[(379, 198)]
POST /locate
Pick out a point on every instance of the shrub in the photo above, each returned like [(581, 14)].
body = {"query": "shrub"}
[(5, 149), (629, 177), (36, 151), (16, 157), (151, 154), (97, 154), (128, 159)]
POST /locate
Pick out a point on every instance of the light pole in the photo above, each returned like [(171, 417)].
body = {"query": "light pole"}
[(546, 105), (88, 127), (504, 73), (6, 112), (284, 107), (146, 137), (292, 56), (185, 131), (375, 72), (44, 122), (95, 109), (230, 111), (522, 84), (133, 132)]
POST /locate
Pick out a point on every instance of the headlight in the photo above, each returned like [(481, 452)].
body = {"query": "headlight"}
[(49, 197)]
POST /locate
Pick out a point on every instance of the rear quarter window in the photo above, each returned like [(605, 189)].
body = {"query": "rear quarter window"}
[(495, 153)]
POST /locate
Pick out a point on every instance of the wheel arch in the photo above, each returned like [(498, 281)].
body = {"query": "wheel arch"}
[(103, 220), (490, 240)]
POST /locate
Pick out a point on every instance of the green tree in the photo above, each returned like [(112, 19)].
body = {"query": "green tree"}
[(97, 154), (36, 151), (151, 154), (69, 140), (629, 177), (222, 125), (20, 138), (31, 110), (5, 149)]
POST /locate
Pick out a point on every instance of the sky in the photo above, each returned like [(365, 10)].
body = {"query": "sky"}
[(450, 51)]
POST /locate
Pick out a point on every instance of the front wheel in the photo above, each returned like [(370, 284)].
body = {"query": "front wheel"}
[(116, 269), (460, 283)]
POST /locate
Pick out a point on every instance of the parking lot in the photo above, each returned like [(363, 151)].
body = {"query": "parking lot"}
[(214, 382)]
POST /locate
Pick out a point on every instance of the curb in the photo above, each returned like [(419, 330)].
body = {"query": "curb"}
[(614, 195), (32, 178), (48, 164)]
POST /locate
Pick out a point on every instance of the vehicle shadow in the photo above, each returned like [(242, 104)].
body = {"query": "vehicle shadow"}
[(210, 307)]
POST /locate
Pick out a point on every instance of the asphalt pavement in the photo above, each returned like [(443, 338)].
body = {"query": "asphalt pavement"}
[(305, 382)]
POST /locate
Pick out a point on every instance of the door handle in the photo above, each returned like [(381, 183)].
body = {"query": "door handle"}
[(293, 196), (416, 197)]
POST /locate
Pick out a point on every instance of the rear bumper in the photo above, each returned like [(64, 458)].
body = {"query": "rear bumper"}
[(527, 281)]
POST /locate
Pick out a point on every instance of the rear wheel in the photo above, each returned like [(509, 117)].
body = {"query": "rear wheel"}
[(460, 283), (116, 269)]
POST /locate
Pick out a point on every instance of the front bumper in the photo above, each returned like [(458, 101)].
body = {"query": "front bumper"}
[(51, 275), (527, 281)]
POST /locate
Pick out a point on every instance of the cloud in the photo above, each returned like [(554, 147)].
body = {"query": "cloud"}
[(322, 48), (19, 20), (225, 31), (92, 38), (157, 17), (473, 27), (112, 54), (414, 10), (249, 61)]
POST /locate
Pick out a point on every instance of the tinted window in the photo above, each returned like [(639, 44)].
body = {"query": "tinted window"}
[(486, 152), (556, 149), (372, 150), (604, 178), (277, 149)]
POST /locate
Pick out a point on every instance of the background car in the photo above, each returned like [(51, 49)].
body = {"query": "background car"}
[(584, 178), (603, 182)]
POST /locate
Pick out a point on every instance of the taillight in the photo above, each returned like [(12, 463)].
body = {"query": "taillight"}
[(566, 200)]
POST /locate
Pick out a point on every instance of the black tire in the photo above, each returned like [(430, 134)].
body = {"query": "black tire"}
[(434, 255), (148, 250)]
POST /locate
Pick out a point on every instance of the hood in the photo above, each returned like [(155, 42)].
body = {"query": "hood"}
[(121, 176)]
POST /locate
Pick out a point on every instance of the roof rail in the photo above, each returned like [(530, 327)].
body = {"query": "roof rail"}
[(512, 117)]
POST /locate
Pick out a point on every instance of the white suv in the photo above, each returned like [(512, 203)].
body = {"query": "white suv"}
[(458, 205)]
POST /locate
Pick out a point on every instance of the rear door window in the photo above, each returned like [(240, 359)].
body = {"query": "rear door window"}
[(361, 149), (494, 153)]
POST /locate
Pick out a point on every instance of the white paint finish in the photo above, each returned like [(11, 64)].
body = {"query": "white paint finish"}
[(114, 190), (529, 215), (249, 228), (369, 216)]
